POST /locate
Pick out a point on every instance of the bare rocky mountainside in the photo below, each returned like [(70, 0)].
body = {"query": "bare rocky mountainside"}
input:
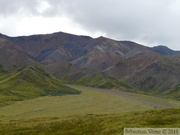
[(71, 57)]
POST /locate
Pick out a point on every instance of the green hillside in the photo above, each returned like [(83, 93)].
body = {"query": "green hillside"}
[(28, 83), (101, 81), (173, 92), (107, 82), (91, 124)]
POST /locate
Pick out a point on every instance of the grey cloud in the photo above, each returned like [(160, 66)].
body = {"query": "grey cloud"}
[(151, 21), (148, 21), (12, 7), (23, 7)]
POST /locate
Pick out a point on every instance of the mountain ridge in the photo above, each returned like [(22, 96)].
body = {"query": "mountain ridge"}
[(68, 57)]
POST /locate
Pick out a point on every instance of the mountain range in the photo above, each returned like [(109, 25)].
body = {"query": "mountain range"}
[(74, 59)]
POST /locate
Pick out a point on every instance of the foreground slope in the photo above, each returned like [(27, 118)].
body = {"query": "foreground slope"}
[(28, 83), (111, 124)]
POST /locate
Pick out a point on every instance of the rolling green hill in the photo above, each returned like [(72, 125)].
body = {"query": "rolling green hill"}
[(28, 83), (107, 82), (173, 92), (101, 81)]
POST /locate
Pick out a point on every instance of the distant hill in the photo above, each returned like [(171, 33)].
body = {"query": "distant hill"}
[(165, 50), (71, 57), (152, 73), (28, 83), (102, 81)]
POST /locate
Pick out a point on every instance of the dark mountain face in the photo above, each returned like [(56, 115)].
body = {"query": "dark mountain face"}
[(53, 47), (70, 56)]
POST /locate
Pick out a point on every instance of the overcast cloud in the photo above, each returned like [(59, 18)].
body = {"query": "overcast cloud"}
[(149, 22)]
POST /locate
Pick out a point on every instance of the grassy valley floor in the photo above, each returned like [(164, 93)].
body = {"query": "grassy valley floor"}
[(94, 111)]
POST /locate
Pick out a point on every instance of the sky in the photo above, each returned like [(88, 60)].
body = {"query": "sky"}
[(148, 22)]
